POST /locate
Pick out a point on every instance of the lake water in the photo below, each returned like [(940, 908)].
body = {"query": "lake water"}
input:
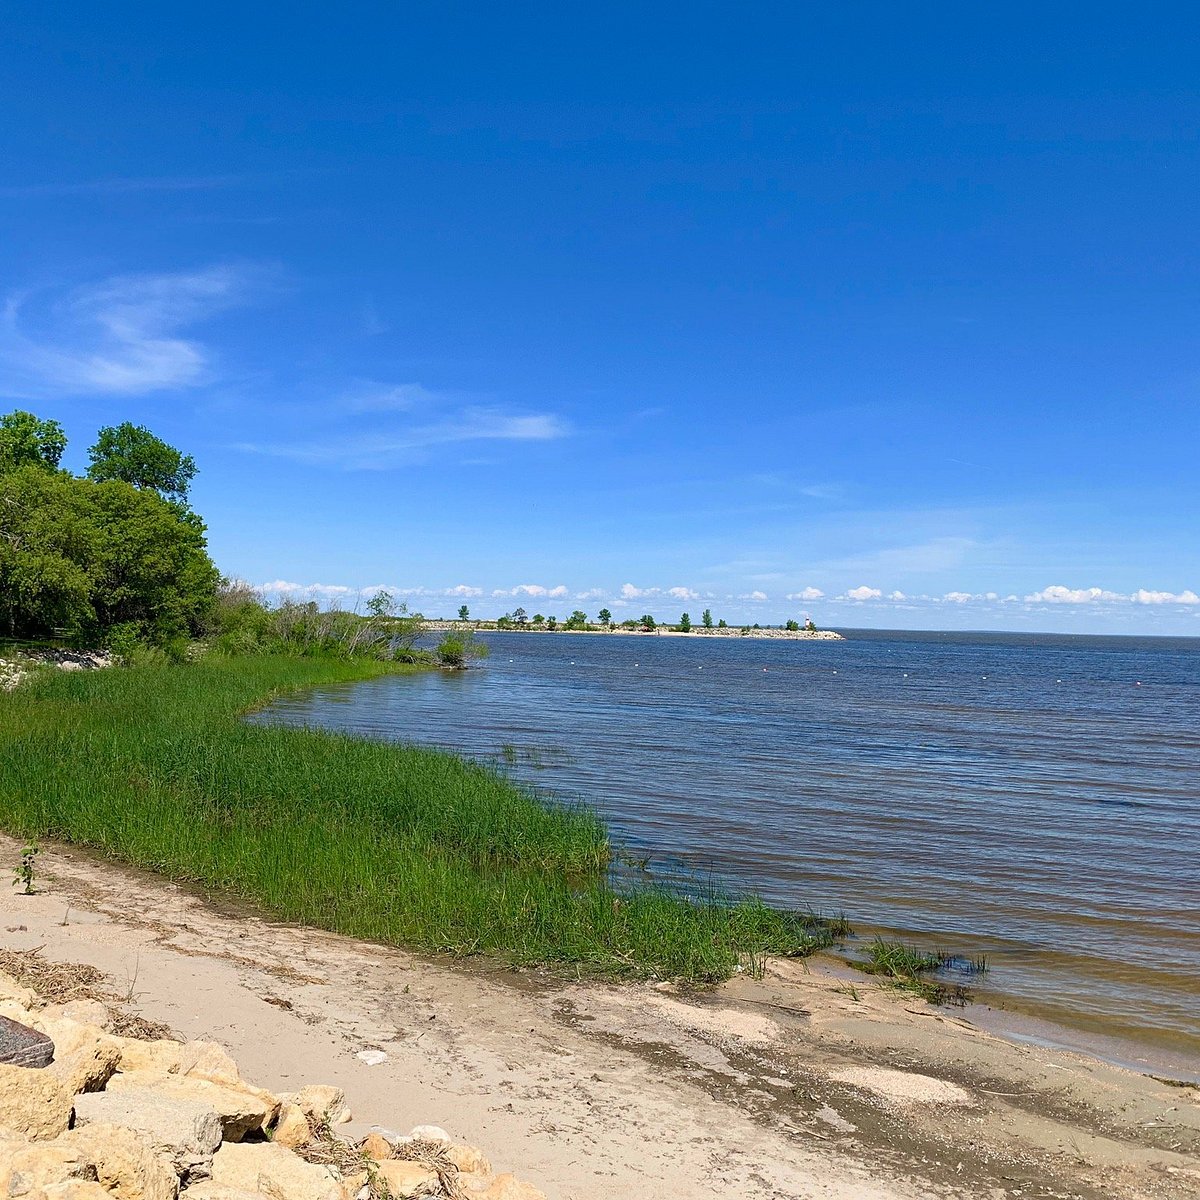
[(1032, 798)]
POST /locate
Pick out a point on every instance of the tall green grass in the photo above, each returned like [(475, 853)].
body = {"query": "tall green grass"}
[(154, 765)]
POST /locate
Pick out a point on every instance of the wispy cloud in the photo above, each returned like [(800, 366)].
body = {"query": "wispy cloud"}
[(405, 441), (807, 593), (119, 337)]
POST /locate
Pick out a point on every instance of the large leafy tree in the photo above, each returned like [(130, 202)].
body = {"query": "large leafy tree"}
[(26, 441), (132, 454)]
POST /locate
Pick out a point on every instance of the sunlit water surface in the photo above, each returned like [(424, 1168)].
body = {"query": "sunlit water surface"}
[(1032, 798)]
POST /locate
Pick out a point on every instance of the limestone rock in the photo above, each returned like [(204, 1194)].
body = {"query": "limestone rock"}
[(185, 1131), (28, 1166), (11, 990), (160, 1055), (502, 1187), (207, 1190), (85, 1057), (33, 1103), (208, 1060), (126, 1164), (292, 1129), (86, 1012), (321, 1102), (241, 1110), (429, 1133), (376, 1146), (469, 1160), (406, 1179), (75, 1189), (274, 1171)]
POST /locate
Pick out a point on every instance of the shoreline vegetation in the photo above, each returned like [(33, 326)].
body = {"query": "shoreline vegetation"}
[(153, 764), (658, 630)]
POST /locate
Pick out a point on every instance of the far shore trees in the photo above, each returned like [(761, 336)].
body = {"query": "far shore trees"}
[(464, 613), (605, 618), (577, 620), (792, 626), (648, 621), (685, 624), (706, 618)]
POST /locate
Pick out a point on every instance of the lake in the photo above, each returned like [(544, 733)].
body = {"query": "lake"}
[(1032, 798)]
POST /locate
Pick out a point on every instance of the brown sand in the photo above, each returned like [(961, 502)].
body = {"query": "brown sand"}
[(788, 1086)]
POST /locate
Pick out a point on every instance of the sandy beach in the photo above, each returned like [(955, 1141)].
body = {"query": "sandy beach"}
[(806, 1083)]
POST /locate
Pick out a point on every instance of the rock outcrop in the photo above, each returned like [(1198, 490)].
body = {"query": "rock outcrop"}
[(115, 1118)]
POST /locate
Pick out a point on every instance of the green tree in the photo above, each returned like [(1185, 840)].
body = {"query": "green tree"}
[(520, 616), (381, 604), (538, 619), (647, 621), (706, 618), (685, 624), (722, 624), (605, 617), (552, 623), (26, 441), (133, 454), (792, 626), (577, 620), (464, 613)]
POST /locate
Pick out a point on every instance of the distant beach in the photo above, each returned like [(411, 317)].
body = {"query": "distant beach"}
[(697, 631)]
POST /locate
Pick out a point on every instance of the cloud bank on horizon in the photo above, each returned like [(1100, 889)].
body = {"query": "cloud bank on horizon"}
[(741, 329)]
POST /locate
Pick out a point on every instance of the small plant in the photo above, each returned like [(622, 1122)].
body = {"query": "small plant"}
[(25, 871)]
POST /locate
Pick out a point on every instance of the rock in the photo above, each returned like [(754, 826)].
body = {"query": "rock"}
[(185, 1131), (161, 1055), (10, 989), (275, 1171), (322, 1103), (469, 1160), (75, 1189), (207, 1060), (207, 1190), (86, 1012), (502, 1187), (126, 1164), (85, 1057), (373, 1058), (429, 1133), (292, 1129), (404, 1179), (23, 1046), (356, 1185), (376, 1146), (241, 1110), (26, 1166), (33, 1103)]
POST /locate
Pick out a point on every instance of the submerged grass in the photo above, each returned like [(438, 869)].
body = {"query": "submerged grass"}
[(909, 968), (154, 765)]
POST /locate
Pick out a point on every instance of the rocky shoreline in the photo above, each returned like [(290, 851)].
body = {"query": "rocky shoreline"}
[(697, 631), (89, 1114)]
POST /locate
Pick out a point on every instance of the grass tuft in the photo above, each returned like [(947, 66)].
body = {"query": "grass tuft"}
[(908, 969), (153, 765)]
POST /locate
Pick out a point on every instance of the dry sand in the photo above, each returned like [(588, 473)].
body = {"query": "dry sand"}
[(783, 1087)]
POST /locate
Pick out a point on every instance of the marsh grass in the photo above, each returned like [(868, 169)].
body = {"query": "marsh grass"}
[(154, 765), (909, 969)]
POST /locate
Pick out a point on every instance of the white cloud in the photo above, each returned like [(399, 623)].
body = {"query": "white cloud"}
[(463, 589), (1142, 596), (958, 597), (864, 593), (897, 596), (120, 337), (682, 593), (285, 587), (1058, 594), (535, 589), (757, 596), (591, 594), (629, 592), (407, 442), (808, 593)]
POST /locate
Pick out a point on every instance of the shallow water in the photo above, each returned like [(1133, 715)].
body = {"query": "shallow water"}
[(1034, 799)]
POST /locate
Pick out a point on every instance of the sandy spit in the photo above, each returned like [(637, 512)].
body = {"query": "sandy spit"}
[(796, 1085)]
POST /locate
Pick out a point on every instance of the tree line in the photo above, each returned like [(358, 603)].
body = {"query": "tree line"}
[(578, 621)]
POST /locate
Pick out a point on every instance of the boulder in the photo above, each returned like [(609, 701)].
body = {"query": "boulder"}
[(501, 1187), (12, 991), (126, 1164), (292, 1129), (376, 1146), (405, 1179), (161, 1055), (274, 1171), (23, 1046), (207, 1190), (86, 1012), (322, 1103), (208, 1060), (241, 1110), (33, 1103), (74, 1189), (85, 1057), (469, 1160), (186, 1132), (429, 1133), (28, 1166)]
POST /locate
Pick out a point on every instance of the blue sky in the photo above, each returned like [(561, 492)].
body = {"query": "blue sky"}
[(885, 316)]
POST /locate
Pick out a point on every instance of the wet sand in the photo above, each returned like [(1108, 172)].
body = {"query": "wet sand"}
[(809, 1082)]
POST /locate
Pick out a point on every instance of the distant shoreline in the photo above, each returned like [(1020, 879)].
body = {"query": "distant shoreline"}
[(795, 635)]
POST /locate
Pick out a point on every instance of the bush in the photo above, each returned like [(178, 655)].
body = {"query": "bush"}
[(456, 650)]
